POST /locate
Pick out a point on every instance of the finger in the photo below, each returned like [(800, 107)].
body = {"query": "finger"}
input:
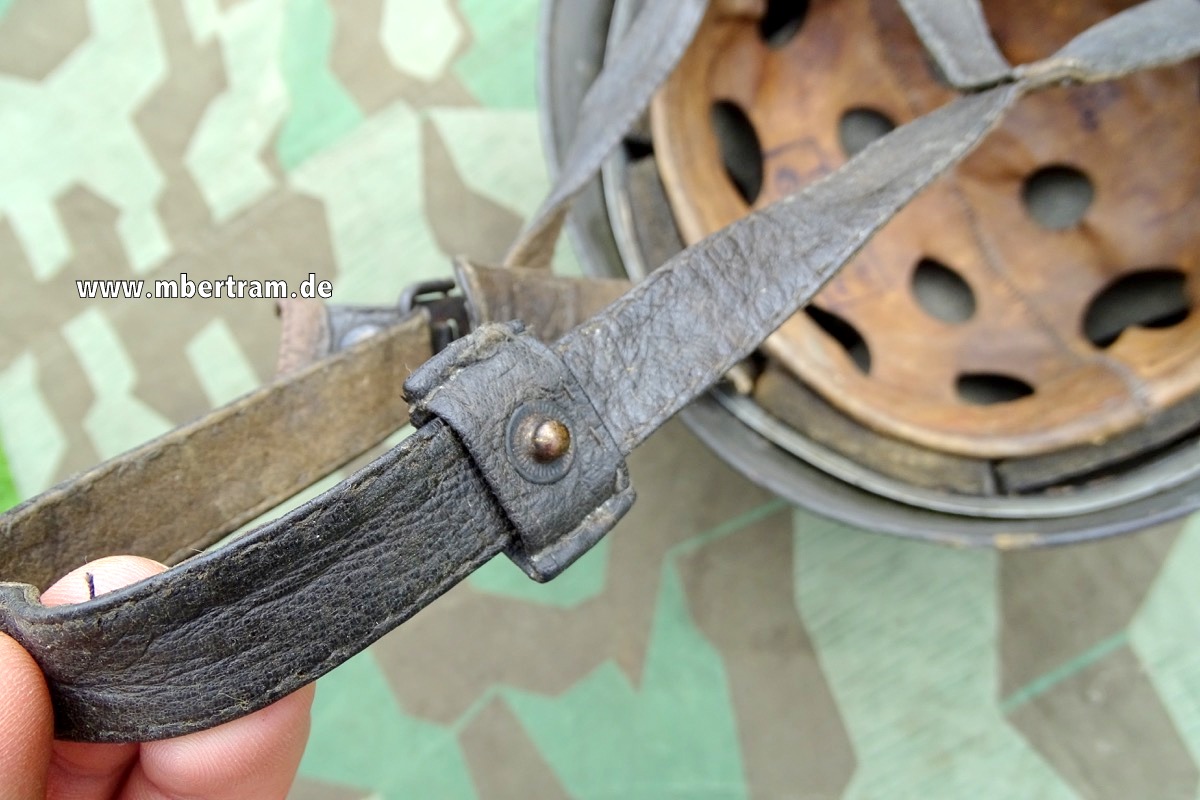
[(79, 770), (253, 757), (26, 722)]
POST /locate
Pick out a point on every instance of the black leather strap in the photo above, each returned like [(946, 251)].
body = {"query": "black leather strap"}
[(743, 282), (644, 58), (956, 34), (230, 631), (1153, 34)]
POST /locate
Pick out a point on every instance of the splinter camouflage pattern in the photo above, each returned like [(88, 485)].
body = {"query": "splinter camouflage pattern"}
[(719, 644)]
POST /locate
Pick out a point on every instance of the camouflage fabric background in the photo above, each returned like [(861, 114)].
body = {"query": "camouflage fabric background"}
[(719, 644)]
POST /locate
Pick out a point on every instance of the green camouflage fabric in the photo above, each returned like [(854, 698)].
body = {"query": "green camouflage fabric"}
[(719, 644)]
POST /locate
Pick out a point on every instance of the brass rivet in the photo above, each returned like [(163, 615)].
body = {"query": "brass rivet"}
[(550, 441)]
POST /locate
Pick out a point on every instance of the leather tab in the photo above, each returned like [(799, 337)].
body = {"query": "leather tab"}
[(497, 389)]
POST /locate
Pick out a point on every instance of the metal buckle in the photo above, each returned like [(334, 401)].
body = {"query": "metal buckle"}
[(448, 318)]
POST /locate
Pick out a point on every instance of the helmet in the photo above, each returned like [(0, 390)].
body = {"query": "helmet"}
[(1013, 359)]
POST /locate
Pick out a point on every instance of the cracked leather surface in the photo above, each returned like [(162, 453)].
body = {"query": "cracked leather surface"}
[(162, 658)]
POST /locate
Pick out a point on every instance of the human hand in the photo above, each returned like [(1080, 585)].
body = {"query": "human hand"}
[(253, 757)]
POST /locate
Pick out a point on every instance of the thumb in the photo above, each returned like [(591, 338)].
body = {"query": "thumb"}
[(26, 717), (93, 770), (26, 722)]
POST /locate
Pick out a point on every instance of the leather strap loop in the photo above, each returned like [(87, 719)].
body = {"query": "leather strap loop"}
[(561, 501), (549, 305)]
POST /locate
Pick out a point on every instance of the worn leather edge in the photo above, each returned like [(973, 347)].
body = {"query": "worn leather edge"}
[(175, 495), (303, 331)]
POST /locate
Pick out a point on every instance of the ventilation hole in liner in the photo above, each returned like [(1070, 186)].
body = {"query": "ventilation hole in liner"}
[(942, 292), (741, 152), (1152, 298), (782, 21), (1057, 197), (844, 334), (858, 127), (990, 388)]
